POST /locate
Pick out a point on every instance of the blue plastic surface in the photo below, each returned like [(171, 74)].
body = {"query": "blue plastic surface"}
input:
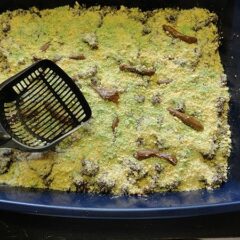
[(169, 205)]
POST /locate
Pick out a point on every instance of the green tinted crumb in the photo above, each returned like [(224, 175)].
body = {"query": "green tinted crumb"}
[(131, 71)]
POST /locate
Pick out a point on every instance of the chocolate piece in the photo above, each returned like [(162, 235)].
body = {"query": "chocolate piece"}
[(107, 94), (148, 153), (45, 46), (115, 123), (174, 33), (77, 56), (141, 70), (164, 81), (186, 119)]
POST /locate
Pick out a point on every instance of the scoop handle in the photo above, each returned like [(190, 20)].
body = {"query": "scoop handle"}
[(4, 137)]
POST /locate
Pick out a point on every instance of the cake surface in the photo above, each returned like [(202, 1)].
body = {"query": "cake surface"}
[(157, 90)]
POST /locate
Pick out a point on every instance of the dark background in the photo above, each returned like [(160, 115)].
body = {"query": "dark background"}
[(17, 226)]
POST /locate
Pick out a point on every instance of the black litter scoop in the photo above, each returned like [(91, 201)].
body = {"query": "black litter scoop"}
[(39, 107)]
